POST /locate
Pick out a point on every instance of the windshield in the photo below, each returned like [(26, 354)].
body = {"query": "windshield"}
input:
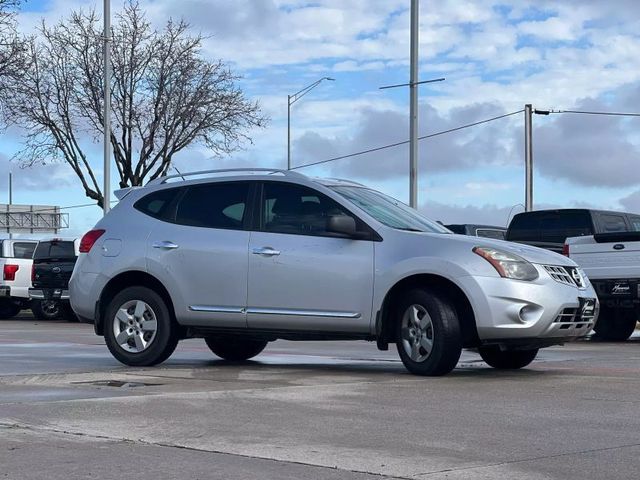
[(388, 210)]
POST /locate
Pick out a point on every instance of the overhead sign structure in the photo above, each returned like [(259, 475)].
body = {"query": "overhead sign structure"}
[(32, 219)]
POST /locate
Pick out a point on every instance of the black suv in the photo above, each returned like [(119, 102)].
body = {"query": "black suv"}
[(53, 262), (550, 228)]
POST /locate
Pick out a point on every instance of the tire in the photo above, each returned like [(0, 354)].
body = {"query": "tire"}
[(235, 349), (615, 324), (129, 331), (507, 359), (8, 309), (68, 314), (428, 335), (46, 309)]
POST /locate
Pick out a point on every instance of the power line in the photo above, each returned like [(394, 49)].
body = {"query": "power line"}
[(586, 112), (397, 144)]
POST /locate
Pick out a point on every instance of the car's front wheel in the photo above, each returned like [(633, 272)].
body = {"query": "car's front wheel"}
[(507, 359), (138, 328), (8, 309), (427, 333), (235, 349), (615, 325)]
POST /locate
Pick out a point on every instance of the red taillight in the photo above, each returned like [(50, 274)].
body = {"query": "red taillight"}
[(89, 239), (10, 272), (565, 249)]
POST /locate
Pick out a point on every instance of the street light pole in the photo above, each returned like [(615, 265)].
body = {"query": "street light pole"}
[(291, 99), (413, 108), (528, 159), (107, 106)]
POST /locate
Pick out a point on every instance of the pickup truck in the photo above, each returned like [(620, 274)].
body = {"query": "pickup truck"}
[(53, 262), (612, 264), (15, 263)]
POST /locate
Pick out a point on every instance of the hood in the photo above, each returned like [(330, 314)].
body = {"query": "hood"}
[(529, 253)]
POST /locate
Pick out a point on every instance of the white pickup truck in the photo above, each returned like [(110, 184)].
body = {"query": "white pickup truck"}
[(15, 262), (612, 264)]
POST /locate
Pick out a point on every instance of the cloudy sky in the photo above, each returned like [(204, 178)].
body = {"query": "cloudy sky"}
[(495, 55)]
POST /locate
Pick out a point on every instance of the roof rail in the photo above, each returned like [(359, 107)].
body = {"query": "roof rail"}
[(268, 171)]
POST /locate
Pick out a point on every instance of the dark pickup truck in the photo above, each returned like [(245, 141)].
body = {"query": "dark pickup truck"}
[(53, 262)]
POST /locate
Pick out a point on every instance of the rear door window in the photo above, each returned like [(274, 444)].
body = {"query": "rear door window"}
[(610, 223), (23, 250), (634, 221)]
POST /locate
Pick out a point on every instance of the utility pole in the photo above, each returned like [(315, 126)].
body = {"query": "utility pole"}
[(10, 198), (288, 132), (413, 108), (107, 106), (528, 159)]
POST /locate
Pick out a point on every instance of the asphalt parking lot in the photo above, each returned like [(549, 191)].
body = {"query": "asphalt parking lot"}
[(335, 410)]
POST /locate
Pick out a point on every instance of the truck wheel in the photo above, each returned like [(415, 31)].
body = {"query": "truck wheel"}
[(8, 309), (235, 349), (138, 328), (428, 335), (615, 324), (507, 359), (46, 309)]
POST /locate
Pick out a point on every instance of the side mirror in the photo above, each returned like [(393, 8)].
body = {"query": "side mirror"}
[(342, 224)]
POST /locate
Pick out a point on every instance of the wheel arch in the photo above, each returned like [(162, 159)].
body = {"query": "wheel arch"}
[(443, 286), (132, 278)]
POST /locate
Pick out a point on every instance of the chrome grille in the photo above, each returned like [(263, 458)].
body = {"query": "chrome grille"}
[(567, 275)]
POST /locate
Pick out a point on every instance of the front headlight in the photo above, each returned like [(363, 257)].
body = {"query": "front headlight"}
[(508, 265)]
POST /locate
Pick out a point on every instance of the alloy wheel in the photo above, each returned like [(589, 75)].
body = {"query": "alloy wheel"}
[(417, 333), (135, 326)]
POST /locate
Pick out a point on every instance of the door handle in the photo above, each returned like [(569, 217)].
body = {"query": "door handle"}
[(266, 251), (165, 245)]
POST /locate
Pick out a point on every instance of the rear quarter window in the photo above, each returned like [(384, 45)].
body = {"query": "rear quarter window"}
[(158, 204)]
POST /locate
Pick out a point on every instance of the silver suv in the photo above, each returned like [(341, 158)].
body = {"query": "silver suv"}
[(241, 258)]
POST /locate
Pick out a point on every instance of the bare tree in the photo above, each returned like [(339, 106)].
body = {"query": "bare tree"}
[(12, 47), (165, 97)]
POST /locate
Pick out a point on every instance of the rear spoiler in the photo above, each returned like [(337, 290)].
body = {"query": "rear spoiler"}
[(123, 192), (617, 237)]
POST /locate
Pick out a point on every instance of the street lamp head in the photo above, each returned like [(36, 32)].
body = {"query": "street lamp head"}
[(329, 78)]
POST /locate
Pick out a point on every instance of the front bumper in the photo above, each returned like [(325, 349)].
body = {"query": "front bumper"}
[(49, 294), (543, 312)]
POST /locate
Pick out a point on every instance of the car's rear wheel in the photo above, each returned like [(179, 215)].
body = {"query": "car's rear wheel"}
[(234, 348), (427, 333), (138, 327), (46, 309), (8, 309), (507, 359), (615, 325)]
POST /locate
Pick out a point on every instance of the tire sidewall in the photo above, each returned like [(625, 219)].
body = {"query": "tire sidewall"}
[(40, 313), (447, 341), (165, 340)]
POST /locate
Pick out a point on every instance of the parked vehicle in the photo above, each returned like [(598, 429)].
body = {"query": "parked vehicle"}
[(243, 258), (550, 228), (488, 231), (16, 264), (612, 263), (53, 262)]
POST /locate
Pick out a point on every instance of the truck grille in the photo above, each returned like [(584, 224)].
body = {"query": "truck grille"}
[(567, 275)]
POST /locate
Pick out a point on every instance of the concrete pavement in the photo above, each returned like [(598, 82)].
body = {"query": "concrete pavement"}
[(311, 410)]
